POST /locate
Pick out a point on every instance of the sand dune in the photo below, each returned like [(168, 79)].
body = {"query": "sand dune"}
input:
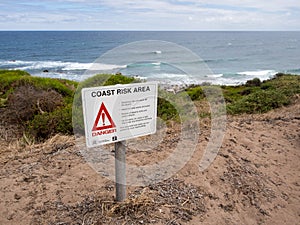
[(254, 179)]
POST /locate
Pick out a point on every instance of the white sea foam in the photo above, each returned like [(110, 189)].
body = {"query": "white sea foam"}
[(101, 66), (216, 79), (173, 76), (79, 71), (68, 76), (215, 75), (12, 62), (258, 73), (76, 66), (56, 65), (156, 63), (173, 79)]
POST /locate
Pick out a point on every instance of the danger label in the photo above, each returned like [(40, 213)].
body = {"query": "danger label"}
[(103, 123), (106, 120), (121, 112)]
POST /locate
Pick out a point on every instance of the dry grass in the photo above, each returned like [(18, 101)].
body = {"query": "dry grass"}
[(165, 202)]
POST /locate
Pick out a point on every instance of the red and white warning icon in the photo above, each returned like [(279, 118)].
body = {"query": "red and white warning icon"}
[(103, 120)]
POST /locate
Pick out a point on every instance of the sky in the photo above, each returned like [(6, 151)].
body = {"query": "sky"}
[(150, 15)]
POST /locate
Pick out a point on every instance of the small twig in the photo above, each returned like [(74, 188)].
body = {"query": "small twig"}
[(26, 139), (102, 209), (170, 206), (107, 201), (171, 221), (185, 202), (38, 105), (83, 220)]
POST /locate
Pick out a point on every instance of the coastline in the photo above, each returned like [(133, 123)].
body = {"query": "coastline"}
[(78, 71), (42, 107)]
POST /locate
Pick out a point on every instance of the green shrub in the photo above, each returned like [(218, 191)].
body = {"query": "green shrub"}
[(7, 80), (120, 79), (259, 102), (165, 110), (246, 91), (42, 106), (270, 94), (10, 79), (288, 84), (233, 93), (43, 126), (195, 93), (105, 80), (253, 83), (27, 101), (266, 86)]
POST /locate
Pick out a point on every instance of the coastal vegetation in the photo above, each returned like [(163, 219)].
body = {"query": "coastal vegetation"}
[(255, 96), (37, 108), (261, 97)]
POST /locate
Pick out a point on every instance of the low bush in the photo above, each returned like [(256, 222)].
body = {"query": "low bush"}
[(43, 126), (41, 106), (259, 102), (256, 96), (166, 110), (27, 101), (195, 93), (253, 83)]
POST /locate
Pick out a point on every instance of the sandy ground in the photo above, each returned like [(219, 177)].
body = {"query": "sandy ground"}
[(254, 179)]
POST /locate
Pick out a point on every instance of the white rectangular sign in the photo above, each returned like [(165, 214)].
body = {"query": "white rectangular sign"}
[(119, 112)]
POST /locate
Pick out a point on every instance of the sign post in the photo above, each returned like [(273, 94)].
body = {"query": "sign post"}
[(113, 114), (120, 168)]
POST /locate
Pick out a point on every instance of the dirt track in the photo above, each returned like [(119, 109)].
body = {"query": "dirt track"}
[(254, 179)]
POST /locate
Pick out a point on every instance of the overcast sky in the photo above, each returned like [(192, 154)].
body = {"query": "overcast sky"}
[(149, 14)]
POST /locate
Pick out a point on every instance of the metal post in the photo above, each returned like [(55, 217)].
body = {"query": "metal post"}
[(120, 170)]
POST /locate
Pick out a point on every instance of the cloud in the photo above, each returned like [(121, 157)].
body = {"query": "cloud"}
[(151, 14)]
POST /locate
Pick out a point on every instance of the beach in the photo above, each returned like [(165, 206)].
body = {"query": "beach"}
[(253, 180)]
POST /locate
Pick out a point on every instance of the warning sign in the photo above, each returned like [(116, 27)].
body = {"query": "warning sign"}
[(120, 112), (103, 114)]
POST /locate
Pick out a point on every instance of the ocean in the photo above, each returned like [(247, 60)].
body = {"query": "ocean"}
[(228, 58)]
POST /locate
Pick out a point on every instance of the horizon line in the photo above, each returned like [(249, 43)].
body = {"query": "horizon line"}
[(154, 30)]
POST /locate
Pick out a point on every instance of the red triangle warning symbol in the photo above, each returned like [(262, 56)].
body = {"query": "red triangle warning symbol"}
[(105, 117)]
